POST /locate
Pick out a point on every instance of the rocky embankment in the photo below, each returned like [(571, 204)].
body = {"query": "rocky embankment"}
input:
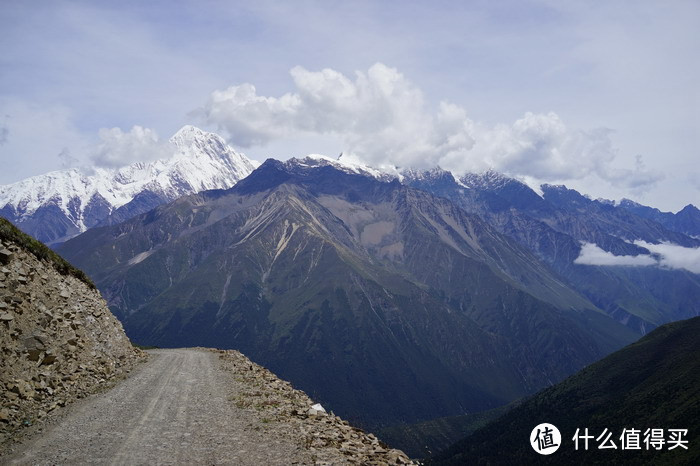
[(287, 412), (58, 339)]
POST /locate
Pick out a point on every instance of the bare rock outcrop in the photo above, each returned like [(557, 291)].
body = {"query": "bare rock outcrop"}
[(58, 339), (283, 410)]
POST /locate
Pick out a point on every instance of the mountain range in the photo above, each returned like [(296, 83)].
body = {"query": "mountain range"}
[(555, 224), (388, 303), (687, 220), (61, 204), (391, 297)]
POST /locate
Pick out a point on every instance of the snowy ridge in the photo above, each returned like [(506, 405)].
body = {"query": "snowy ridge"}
[(344, 163), (200, 161), (490, 179), (431, 175), (487, 180), (493, 180)]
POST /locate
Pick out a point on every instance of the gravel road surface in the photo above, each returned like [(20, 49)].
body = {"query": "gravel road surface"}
[(176, 409)]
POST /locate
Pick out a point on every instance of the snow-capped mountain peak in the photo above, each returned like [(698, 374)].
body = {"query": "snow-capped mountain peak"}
[(189, 132), (68, 202)]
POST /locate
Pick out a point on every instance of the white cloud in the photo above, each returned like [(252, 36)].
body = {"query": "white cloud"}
[(380, 116), (118, 148), (591, 254), (542, 146), (384, 120), (664, 255), (34, 137), (595, 63), (673, 256)]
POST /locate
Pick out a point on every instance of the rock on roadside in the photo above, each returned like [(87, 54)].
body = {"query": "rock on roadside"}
[(291, 413), (58, 340)]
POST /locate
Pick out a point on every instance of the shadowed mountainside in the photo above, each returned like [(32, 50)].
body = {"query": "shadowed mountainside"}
[(653, 383)]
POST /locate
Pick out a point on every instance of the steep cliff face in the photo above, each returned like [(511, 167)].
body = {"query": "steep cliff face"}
[(58, 339)]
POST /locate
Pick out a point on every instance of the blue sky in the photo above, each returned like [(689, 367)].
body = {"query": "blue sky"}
[(601, 96)]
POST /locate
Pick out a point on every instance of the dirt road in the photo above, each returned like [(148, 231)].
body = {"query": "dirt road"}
[(176, 409)]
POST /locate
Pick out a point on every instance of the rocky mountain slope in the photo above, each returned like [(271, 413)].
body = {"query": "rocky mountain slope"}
[(384, 302), (554, 224), (651, 384), (61, 204), (58, 339), (686, 220)]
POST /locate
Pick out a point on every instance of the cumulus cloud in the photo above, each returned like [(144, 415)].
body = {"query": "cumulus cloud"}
[(380, 116), (383, 119), (542, 146), (591, 254), (118, 148), (33, 135), (664, 255)]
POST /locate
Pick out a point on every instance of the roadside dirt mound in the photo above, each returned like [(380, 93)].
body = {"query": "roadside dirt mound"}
[(58, 339)]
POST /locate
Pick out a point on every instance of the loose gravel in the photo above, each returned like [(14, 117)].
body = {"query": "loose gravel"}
[(176, 409)]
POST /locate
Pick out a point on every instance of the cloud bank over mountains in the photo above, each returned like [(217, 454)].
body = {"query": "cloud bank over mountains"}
[(378, 117), (383, 119), (665, 255)]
